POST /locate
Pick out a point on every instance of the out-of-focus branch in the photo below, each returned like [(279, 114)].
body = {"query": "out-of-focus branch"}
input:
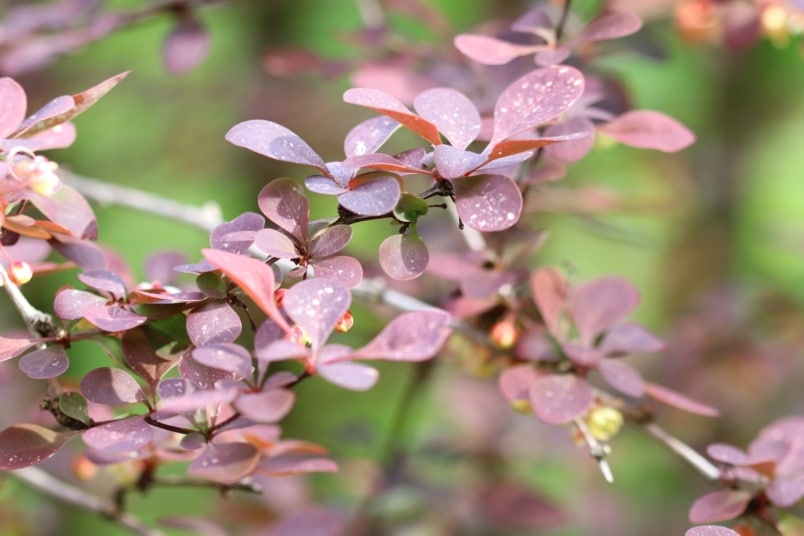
[(52, 486), (703, 466), (205, 217)]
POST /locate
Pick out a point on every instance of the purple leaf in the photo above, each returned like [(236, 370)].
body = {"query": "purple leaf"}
[(560, 398), (373, 197), (786, 491), (711, 530), (316, 305), (58, 137), (413, 336), (293, 457), (491, 51), (387, 105), (186, 46), (213, 322), (12, 106), (54, 108), (534, 99), (202, 376), (225, 356), (647, 129), (677, 400), (324, 185), (124, 435), (549, 290), (535, 344), (141, 358), (599, 304), (237, 235), (266, 407), (274, 141), (23, 445), (113, 318), (283, 201), (582, 355), (199, 400), (70, 303), (381, 162), (727, 454), (225, 462), (630, 338), (173, 387), (515, 382), (270, 344), (345, 270), (571, 150), (330, 240), (622, 377), (452, 113), (488, 202), (71, 210), (111, 386), (720, 505), (352, 376), (369, 135), (106, 282), (86, 255), (609, 25), (253, 277), (276, 244), (12, 347), (44, 364), (404, 256), (452, 162)]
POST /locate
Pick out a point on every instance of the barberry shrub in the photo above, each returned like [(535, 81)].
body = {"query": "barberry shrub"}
[(402, 262)]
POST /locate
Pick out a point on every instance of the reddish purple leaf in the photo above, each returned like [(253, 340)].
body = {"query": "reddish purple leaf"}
[(535, 344), (45, 363), (381, 162), (253, 277), (404, 256), (560, 398), (317, 305), (330, 240), (274, 141), (225, 462), (111, 386), (491, 51), (225, 356), (549, 290), (352, 376), (325, 185), (601, 303), (369, 135), (12, 347), (453, 162), (58, 137), (582, 355), (385, 104), (142, 359), (488, 203), (345, 270), (677, 400), (124, 435), (720, 505), (70, 303), (186, 46), (283, 201), (648, 129), (267, 406), (71, 210), (213, 322), (105, 282), (202, 376), (309, 521), (276, 244), (113, 318), (727, 454), (711, 530), (786, 491), (609, 25), (622, 377), (12, 106), (203, 399), (534, 99), (630, 338), (452, 113), (412, 336), (374, 197), (23, 445), (237, 235), (571, 150), (271, 344), (515, 382)]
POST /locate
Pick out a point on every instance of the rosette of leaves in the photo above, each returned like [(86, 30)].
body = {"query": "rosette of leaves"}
[(583, 330), (768, 476), (308, 244)]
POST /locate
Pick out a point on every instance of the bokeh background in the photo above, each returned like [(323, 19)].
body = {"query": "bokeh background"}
[(713, 237)]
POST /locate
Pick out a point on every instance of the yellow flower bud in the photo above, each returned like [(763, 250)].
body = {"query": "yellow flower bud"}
[(604, 422)]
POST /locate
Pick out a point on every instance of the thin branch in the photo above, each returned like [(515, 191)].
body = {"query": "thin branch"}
[(562, 21), (597, 450), (205, 217), (706, 468), (38, 323), (52, 486), (472, 237)]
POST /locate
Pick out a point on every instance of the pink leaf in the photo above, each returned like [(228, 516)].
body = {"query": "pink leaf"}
[(274, 141), (113, 318), (225, 462), (488, 203), (353, 376), (213, 321), (677, 400), (404, 256), (491, 51), (124, 435), (727, 454), (600, 304), (253, 277), (630, 338), (45, 363), (267, 406), (648, 129), (413, 336), (515, 382), (22, 445), (452, 113), (385, 104), (108, 385), (534, 99), (711, 530), (550, 290), (609, 25), (13, 347), (720, 505), (560, 398), (345, 270), (786, 491), (622, 377), (369, 135), (185, 46), (283, 201), (317, 305), (12, 106)]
